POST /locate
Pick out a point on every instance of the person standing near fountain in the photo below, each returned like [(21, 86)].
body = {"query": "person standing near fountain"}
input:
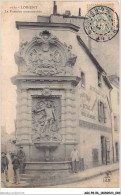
[(21, 157), (75, 159), (16, 166), (4, 168)]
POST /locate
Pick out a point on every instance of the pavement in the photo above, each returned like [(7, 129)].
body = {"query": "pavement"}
[(94, 172), (72, 178), (95, 182), (94, 177)]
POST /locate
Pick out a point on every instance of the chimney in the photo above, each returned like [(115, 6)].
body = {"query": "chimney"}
[(54, 8), (67, 13), (79, 11)]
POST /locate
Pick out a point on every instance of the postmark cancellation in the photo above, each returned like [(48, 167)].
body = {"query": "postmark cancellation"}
[(101, 23)]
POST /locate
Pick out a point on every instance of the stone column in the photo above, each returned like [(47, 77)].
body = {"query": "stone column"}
[(70, 108), (23, 120), (63, 112), (74, 114), (63, 120)]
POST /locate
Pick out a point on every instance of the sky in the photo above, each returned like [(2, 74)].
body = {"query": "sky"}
[(106, 53)]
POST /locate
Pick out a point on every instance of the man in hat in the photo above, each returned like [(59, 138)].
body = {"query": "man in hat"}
[(4, 167), (75, 159), (21, 157)]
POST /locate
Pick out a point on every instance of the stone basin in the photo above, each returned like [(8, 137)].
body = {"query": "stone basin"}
[(47, 144)]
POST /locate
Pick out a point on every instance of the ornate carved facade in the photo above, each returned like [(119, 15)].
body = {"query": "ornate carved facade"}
[(46, 85), (45, 55)]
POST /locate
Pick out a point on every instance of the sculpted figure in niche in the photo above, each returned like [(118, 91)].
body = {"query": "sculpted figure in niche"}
[(50, 117), (44, 117)]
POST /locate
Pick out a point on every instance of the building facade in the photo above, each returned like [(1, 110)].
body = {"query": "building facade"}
[(63, 98), (114, 79)]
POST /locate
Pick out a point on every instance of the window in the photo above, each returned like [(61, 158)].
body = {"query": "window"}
[(117, 151), (115, 123), (99, 80), (95, 155), (101, 112), (82, 79), (118, 97)]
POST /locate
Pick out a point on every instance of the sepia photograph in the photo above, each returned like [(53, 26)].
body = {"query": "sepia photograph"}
[(60, 94)]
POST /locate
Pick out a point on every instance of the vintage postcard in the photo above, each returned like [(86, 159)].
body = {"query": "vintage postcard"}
[(60, 94)]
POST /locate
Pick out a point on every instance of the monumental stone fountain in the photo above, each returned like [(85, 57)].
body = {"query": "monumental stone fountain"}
[(45, 99)]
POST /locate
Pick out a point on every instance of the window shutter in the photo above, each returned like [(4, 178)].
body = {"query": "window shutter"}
[(82, 79), (105, 118), (115, 123), (108, 143), (99, 118), (102, 111), (99, 79)]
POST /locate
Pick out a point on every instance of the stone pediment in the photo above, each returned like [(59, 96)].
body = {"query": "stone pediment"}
[(44, 55)]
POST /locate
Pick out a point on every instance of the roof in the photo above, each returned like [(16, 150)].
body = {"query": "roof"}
[(43, 24), (95, 62), (66, 16), (107, 81), (93, 59)]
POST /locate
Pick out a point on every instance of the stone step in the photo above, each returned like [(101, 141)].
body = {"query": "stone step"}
[(25, 179), (25, 175), (20, 185), (43, 179), (36, 182)]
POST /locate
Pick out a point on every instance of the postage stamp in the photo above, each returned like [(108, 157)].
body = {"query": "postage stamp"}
[(101, 23)]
